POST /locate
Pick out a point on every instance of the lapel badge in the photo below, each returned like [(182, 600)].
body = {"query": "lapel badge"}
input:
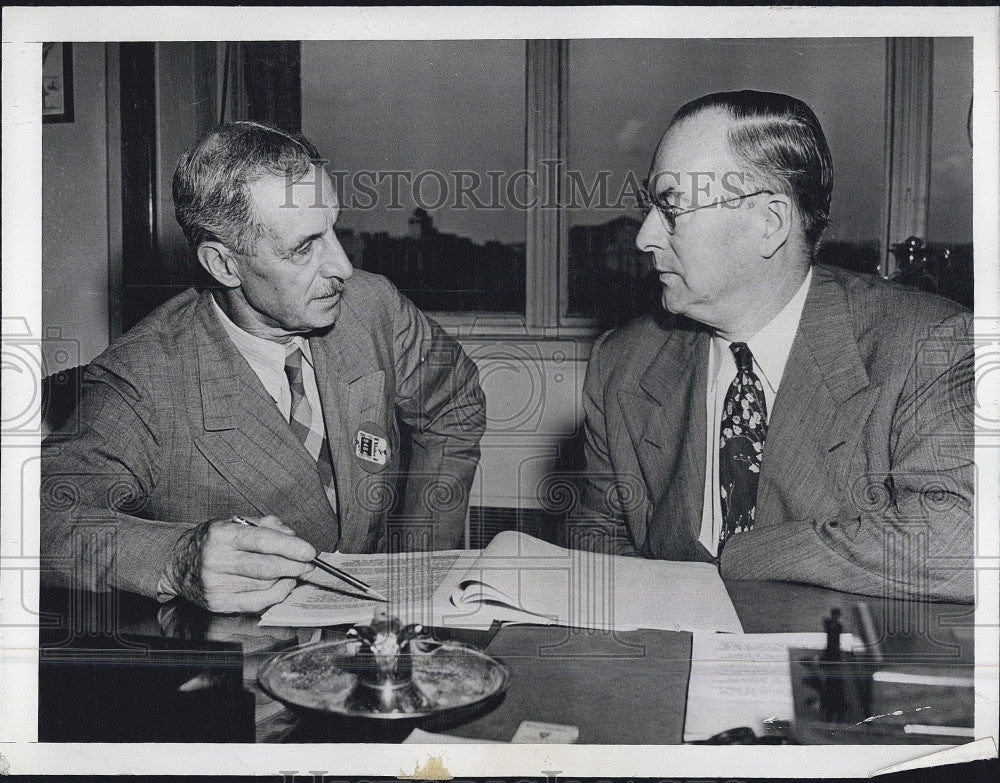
[(371, 447)]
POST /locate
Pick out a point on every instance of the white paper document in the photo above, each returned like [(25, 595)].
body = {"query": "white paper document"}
[(743, 680), (518, 578), (408, 579)]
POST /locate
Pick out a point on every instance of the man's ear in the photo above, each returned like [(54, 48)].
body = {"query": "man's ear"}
[(778, 217), (219, 262)]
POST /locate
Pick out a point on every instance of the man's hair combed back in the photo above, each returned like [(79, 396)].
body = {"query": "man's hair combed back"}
[(211, 184), (782, 144)]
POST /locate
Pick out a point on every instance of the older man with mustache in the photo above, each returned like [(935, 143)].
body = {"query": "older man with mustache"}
[(273, 398)]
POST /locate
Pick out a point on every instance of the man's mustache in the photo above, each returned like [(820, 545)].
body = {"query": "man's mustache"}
[(336, 287)]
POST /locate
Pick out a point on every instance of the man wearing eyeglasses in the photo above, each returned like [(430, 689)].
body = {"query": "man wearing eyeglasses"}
[(786, 420)]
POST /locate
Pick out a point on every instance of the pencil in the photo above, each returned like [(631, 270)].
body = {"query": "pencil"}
[(353, 581)]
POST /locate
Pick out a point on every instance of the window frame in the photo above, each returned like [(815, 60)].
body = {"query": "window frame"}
[(909, 91), (909, 82), (546, 230)]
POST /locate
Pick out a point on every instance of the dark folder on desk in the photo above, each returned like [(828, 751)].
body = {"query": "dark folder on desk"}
[(618, 688)]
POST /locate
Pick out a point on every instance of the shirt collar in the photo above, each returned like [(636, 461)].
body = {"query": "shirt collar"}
[(250, 345), (773, 343)]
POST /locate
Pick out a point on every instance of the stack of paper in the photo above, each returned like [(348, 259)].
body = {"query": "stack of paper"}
[(518, 579)]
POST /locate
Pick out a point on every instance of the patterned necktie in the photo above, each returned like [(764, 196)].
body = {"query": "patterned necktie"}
[(301, 422), (741, 445)]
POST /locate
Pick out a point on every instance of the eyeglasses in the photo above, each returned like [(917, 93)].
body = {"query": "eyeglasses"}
[(669, 212)]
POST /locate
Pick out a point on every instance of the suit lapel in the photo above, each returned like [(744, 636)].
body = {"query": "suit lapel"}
[(248, 441), (351, 392), (666, 421), (823, 402)]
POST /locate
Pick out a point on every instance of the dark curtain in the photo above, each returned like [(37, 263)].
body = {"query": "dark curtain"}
[(273, 84)]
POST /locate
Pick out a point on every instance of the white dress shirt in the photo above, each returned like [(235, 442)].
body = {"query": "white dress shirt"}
[(267, 359), (770, 348)]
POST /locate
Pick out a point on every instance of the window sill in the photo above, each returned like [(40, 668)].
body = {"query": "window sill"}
[(506, 326)]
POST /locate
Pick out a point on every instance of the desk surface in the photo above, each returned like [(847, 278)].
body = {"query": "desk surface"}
[(625, 688)]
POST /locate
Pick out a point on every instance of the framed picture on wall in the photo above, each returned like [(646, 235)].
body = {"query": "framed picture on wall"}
[(57, 82)]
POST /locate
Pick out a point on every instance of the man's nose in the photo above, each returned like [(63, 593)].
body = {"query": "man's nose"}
[(335, 260), (652, 233)]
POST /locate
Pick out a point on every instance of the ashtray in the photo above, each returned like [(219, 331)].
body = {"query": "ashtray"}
[(383, 672)]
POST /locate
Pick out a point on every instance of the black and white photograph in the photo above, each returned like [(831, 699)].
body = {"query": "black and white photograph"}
[(57, 82), (387, 387)]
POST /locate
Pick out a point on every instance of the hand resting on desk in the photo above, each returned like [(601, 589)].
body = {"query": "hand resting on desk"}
[(228, 567)]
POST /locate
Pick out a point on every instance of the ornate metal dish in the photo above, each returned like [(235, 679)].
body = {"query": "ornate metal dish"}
[(347, 677)]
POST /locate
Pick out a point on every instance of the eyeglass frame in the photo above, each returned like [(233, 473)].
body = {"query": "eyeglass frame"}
[(645, 201)]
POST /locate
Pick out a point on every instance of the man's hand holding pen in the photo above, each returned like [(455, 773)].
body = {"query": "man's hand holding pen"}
[(227, 565), (332, 570)]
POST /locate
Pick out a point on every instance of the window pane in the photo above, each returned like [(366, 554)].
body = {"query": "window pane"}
[(412, 130), (622, 94), (949, 218)]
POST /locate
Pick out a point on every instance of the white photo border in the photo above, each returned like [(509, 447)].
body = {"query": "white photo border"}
[(24, 30)]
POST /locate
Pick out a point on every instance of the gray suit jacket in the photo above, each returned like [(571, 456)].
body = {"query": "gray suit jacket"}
[(867, 477), (175, 428)]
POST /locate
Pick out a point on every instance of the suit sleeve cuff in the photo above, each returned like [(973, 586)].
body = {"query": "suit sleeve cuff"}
[(142, 560)]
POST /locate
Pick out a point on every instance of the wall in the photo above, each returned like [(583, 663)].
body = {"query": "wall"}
[(75, 218), (533, 411)]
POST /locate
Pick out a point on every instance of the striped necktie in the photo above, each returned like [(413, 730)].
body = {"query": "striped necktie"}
[(301, 422), (741, 445)]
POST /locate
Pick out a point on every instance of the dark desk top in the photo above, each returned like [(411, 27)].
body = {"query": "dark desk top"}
[(623, 688), (777, 607)]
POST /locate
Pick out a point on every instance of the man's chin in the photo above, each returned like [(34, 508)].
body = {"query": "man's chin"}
[(674, 303), (327, 312), (670, 301)]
